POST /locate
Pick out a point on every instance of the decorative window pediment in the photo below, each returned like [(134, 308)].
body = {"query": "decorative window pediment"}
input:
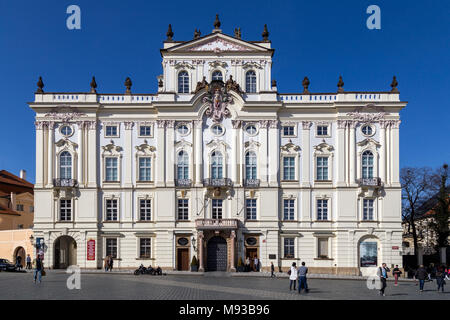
[(323, 148), (111, 149), (144, 149), (66, 144), (218, 144), (290, 148), (251, 144), (369, 142), (217, 63), (183, 144), (183, 65)]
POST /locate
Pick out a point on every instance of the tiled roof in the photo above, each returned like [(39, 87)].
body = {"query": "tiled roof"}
[(8, 211), (12, 183)]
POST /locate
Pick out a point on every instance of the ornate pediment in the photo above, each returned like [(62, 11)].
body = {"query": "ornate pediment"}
[(183, 65), (216, 143), (66, 144), (183, 144), (145, 148), (368, 117), (111, 149), (323, 148), (217, 63), (64, 113), (218, 45), (290, 147), (252, 144), (368, 142)]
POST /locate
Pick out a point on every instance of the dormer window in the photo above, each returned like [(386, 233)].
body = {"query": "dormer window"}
[(217, 75), (183, 82), (250, 81)]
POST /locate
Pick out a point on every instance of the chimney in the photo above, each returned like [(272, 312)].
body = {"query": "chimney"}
[(23, 174), (13, 201)]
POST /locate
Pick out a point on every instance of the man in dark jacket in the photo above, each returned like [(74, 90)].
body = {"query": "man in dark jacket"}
[(421, 275), (38, 270), (383, 274)]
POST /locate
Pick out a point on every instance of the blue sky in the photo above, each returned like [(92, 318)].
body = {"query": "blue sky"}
[(318, 39)]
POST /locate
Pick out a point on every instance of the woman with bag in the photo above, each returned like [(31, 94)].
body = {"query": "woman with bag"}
[(396, 272), (440, 278), (293, 276)]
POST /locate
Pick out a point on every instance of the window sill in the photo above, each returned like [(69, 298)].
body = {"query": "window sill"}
[(145, 258), (323, 181), (111, 221), (183, 221), (290, 221), (322, 221), (324, 259), (145, 221), (290, 258)]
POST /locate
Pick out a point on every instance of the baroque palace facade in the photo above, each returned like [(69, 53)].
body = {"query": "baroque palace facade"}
[(219, 165)]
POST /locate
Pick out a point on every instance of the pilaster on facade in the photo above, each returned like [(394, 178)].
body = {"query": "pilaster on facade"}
[(170, 157), (160, 159), (263, 155), (198, 147), (306, 158), (92, 154), (274, 147)]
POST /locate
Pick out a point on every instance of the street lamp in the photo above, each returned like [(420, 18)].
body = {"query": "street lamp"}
[(32, 240)]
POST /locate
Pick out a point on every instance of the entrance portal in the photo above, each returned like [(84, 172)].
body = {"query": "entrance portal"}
[(19, 252), (183, 259), (217, 254), (65, 252)]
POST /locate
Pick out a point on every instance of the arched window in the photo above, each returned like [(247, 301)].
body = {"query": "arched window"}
[(367, 165), (250, 81), (216, 165), (250, 165), (217, 75), (65, 165), (183, 82), (183, 165)]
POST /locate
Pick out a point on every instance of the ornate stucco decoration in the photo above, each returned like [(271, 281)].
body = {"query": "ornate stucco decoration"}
[(253, 64), (218, 45), (366, 117), (64, 114), (183, 65), (145, 148), (252, 144), (182, 144), (290, 147), (66, 144), (217, 63), (216, 143), (323, 148), (111, 148), (368, 141), (217, 100), (306, 125)]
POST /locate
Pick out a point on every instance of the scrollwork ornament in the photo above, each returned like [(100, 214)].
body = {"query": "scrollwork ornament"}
[(306, 125), (273, 124)]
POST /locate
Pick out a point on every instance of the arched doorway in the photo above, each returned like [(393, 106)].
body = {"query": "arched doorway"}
[(65, 252), (217, 254), (19, 252), (368, 255)]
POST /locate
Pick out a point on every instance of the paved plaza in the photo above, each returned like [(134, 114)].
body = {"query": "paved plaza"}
[(201, 287)]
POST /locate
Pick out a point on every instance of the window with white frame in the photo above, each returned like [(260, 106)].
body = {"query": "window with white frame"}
[(289, 168), (322, 246), (217, 75), (145, 248), (111, 247), (322, 130), (367, 165), (322, 168), (368, 209), (367, 130), (216, 209), (145, 209), (182, 165), (111, 209), (65, 165), (250, 165), (183, 82), (183, 209), (111, 131), (288, 131), (145, 131), (289, 247), (216, 165), (322, 209), (65, 210), (111, 169), (145, 168), (183, 129), (250, 209), (288, 209), (250, 81)]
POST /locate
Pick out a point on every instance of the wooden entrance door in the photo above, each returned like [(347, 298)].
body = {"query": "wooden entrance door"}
[(183, 259), (252, 253), (217, 254)]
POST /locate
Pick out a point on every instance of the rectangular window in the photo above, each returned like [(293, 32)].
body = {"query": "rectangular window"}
[(31, 208), (145, 168), (145, 131), (111, 247), (65, 210), (323, 247), (145, 209), (322, 130), (216, 209), (111, 169), (368, 209), (289, 209), (322, 168), (288, 131), (19, 207), (322, 209), (250, 209), (289, 248), (183, 209), (288, 168), (111, 131), (111, 209), (145, 247)]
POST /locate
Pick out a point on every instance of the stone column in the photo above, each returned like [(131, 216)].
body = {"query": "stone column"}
[(234, 163), (128, 154), (81, 125), (306, 154), (170, 163), (92, 154), (232, 253), (39, 154), (262, 156), (352, 145), (395, 125), (200, 251), (51, 154), (382, 163), (340, 153), (198, 147), (161, 153), (274, 153)]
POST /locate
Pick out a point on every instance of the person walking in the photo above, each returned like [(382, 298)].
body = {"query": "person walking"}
[(293, 275), (111, 263), (302, 284), (421, 275), (28, 267), (396, 272), (38, 269), (383, 274), (272, 270), (247, 264), (440, 278), (19, 263), (106, 263), (256, 264)]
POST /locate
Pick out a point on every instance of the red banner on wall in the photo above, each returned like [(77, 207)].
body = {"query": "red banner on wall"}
[(91, 249)]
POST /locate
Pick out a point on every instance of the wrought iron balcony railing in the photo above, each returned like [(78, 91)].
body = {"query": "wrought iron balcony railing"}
[(370, 182), (253, 183), (223, 182), (183, 182), (216, 223), (61, 182)]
